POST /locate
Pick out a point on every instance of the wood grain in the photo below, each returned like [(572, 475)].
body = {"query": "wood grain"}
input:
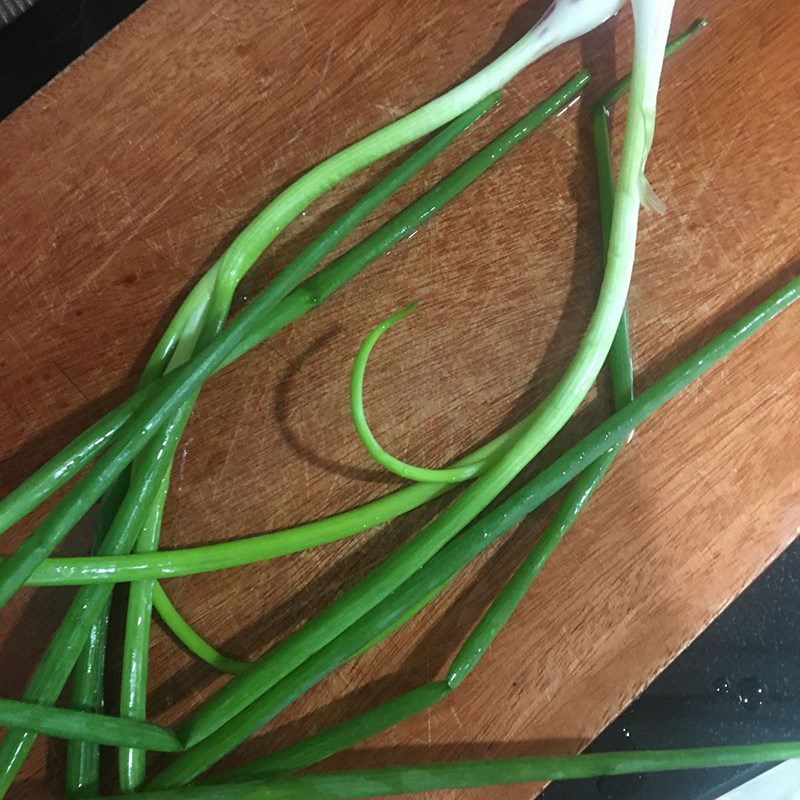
[(125, 176)]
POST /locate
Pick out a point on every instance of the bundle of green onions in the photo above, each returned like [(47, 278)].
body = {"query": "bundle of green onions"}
[(126, 460)]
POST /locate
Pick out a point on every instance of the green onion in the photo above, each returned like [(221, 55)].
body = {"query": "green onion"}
[(211, 297), (54, 669), (230, 704), (83, 758), (621, 375), (453, 474), (407, 779), (136, 645), (145, 434), (371, 722), (306, 297), (296, 662), (65, 723)]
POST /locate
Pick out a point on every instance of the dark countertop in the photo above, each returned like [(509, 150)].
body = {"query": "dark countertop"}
[(736, 683)]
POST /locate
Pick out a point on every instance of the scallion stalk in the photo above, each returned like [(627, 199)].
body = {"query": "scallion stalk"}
[(83, 757), (66, 723), (408, 779), (226, 717)]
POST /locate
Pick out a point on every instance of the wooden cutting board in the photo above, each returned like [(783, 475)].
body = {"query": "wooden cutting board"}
[(124, 177)]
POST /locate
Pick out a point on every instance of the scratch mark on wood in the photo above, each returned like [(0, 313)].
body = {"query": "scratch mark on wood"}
[(70, 381), (299, 18)]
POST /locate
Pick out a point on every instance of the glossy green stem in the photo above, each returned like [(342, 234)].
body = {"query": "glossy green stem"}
[(66, 464), (147, 471), (453, 474), (197, 645), (86, 570), (66, 723), (509, 597), (408, 779), (181, 327), (180, 339), (620, 362), (136, 645), (306, 298), (83, 758)]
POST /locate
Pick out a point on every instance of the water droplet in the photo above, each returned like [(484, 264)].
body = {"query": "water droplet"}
[(750, 693), (722, 687)]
